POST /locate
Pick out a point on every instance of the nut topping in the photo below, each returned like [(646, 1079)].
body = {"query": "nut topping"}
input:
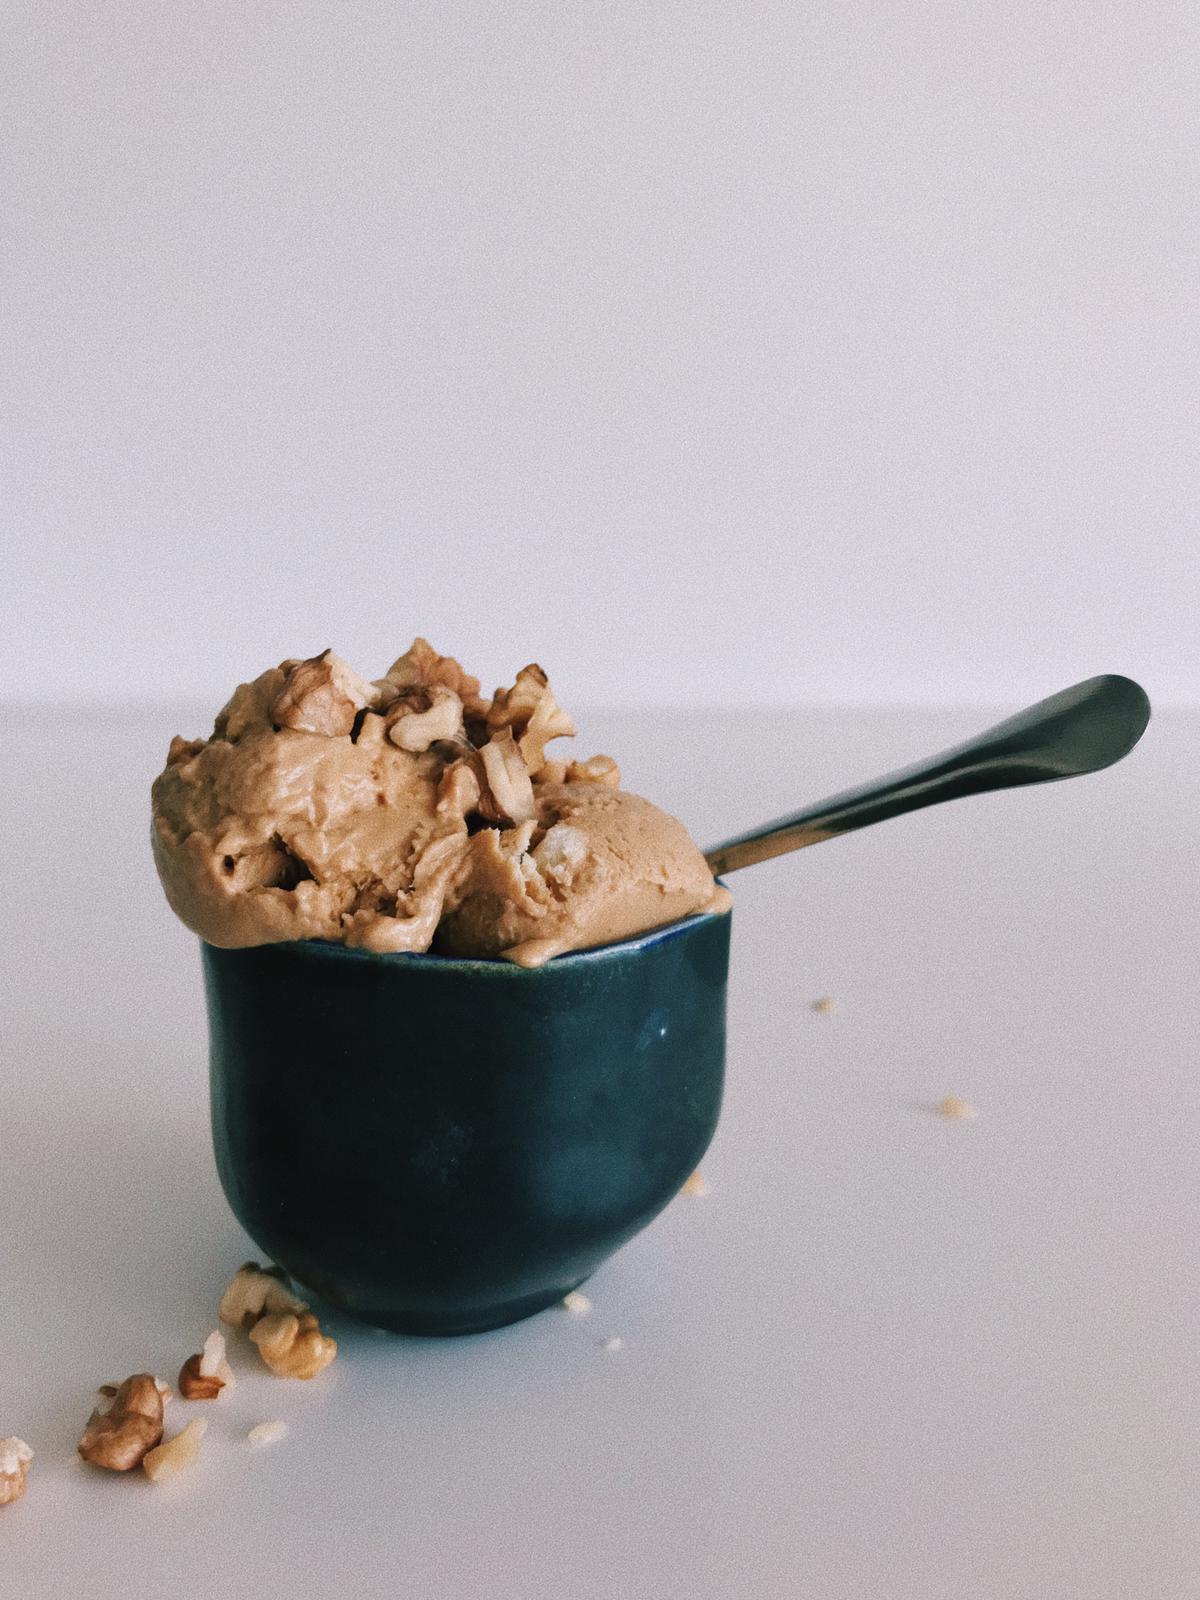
[(596, 769), (422, 715), (532, 715), (321, 695), (421, 665), (506, 798)]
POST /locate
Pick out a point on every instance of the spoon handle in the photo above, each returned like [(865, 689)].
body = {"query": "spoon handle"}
[(1082, 729)]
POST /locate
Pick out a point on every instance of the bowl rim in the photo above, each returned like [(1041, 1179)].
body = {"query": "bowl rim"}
[(489, 966)]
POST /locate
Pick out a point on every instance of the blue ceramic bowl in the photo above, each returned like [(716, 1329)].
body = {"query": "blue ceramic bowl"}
[(441, 1146)]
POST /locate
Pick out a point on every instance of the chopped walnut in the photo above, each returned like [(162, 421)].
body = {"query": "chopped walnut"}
[(266, 1432), (596, 769), (506, 796), (552, 772), (576, 1304), (562, 851), (182, 750), (249, 706), (118, 1437), (461, 786), (254, 1290), (421, 665), (825, 1006), (293, 1346), (422, 715), (202, 1376), (15, 1456), (173, 1455), (531, 713), (957, 1110), (321, 695), (695, 1186)]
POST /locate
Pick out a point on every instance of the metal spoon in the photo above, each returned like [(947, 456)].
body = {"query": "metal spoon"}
[(1081, 729)]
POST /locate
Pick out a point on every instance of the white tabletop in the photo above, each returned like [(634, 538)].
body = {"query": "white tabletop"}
[(886, 1357)]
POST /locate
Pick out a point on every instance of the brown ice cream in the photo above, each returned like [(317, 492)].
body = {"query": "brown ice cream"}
[(594, 865), (410, 811)]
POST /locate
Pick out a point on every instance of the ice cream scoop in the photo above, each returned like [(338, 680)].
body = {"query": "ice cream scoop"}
[(594, 865), (409, 811), (1081, 729)]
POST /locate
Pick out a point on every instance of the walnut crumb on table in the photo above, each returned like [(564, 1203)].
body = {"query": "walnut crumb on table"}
[(695, 1187), (264, 1433), (173, 1455), (120, 1434), (824, 1005), (286, 1333), (576, 1304), (956, 1110), (15, 1456)]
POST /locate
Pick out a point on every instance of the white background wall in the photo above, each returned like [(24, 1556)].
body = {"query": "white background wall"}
[(704, 349)]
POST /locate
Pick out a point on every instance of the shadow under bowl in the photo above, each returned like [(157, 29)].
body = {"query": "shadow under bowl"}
[(441, 1146)]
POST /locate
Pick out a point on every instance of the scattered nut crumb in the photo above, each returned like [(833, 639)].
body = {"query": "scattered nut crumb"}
[(578, 1305), (824, 1005), (293, 1346), (957, 1110), (695, 1186), (173, 1455), (614, 1343), (266, 1433), (253, 1291), (287, 1334), (119, 1436), (201, 1376), (15, 1456)]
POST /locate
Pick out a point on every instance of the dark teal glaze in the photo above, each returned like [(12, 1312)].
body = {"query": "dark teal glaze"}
[(443, 1146)]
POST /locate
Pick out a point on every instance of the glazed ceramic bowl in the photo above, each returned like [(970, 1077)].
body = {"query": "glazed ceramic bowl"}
[(440, 1146)]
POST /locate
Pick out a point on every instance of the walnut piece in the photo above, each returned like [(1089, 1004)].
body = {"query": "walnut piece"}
[(695, 1186), (321, 695), (118, 1437), (596, 769), (561, 853), (422, 715), (266, 1432), (506, 796), (173, 1455), (15, 1456), (531, 714), (254, 1290), (420, 665), (181, 750), (576, 1304), (202, 1376), (293, 1346), (957, 1110)]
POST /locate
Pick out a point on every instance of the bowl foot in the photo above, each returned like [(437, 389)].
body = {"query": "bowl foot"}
[(479, 1319)]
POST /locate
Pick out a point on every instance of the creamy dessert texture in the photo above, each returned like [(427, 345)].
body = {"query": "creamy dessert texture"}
[(412, 813)]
